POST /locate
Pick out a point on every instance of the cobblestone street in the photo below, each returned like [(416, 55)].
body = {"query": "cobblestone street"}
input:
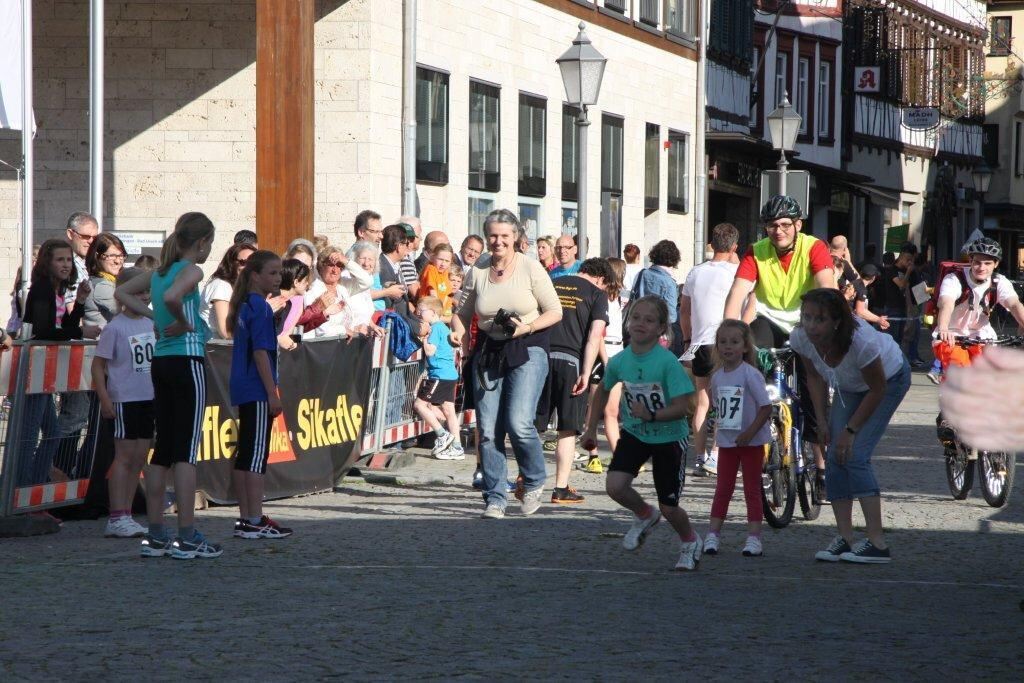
[(404, 580)]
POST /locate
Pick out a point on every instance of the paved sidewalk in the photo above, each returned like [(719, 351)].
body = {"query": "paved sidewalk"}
[(385, 581)]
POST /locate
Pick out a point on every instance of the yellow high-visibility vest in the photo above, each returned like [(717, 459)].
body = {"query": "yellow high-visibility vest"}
[(776, 288)]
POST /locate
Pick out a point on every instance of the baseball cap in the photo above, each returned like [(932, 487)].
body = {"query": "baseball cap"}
[(409, 232)]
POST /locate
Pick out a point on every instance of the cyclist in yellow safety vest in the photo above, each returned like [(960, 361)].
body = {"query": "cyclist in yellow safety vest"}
[(779, 269)]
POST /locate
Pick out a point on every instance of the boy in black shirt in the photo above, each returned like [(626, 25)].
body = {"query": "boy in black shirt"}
[(574, 343)]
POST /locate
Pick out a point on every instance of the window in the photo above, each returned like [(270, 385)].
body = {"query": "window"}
[(484, 133), (616, 5), (755, 109), (990, 144), (803, 75), (1000, 37), (570, 215), (651, 168), (825, 99), (1018, 149), (529, 218), (611, 154), (532, 145), (678, 172), (479, 207), (649, 12), (781, 67), (431, 126), (679, 17), (570, 153)]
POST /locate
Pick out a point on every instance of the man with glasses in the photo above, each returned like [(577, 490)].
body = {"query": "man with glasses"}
[(565, 254), (471, 249), (779, 269), (367, 227), (82, 229)]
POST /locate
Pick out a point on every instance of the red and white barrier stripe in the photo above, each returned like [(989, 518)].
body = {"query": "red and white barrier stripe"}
[(50, 495), (9, 369), (52, 368), (409, 430)]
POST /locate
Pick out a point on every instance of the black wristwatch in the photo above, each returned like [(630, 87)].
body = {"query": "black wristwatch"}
[(850, 429), (654, 415)]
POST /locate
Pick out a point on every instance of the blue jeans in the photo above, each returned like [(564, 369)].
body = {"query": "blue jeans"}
[(508, 405), (35, 454), (856, 478), (896, 327)]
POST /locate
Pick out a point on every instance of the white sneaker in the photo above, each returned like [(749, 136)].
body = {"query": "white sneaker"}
[(531, 501), (689, 554), (124, 527), (454, 453), (443, 443), (493, 511), (711, 544), (638, 531), (710, 463), (753, 547)]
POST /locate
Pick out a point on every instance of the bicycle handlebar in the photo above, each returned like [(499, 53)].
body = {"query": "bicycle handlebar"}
[(967, 342)]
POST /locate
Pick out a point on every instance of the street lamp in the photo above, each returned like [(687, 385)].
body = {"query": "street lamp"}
[(982, 177), (783, 126), (582, 69)]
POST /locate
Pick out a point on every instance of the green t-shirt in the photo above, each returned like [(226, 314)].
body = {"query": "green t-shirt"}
[(654, 378)]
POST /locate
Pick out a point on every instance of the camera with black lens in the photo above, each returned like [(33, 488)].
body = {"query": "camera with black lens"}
[(506, 321)]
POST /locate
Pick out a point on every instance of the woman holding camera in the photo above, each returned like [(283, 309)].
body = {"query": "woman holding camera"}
[(516, 303)]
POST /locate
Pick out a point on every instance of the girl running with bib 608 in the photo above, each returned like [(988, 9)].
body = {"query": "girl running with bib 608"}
[(655, 396)]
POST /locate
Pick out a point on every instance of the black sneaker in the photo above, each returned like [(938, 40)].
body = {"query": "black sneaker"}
[(867, 553), (566, 496), (271, 529), (267, 528), (835, 549)]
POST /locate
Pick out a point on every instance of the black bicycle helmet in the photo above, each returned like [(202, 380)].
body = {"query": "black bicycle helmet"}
[(985, 246), (780, 206)]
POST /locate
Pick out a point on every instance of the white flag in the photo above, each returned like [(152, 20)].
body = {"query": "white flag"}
[(10, 64)]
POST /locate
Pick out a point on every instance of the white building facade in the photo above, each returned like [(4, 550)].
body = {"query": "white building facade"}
[(181, 115)]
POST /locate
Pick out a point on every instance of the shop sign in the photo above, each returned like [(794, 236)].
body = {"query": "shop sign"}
[(867, 79), (920, 118)]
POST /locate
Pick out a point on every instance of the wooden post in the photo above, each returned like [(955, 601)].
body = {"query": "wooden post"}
[(284, 121)]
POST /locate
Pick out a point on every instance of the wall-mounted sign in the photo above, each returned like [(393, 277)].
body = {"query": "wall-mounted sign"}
[(920, 118), (141, 241), (867, 79)]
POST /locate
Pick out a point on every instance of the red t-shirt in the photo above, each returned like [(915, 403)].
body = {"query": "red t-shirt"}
[(820, 258)]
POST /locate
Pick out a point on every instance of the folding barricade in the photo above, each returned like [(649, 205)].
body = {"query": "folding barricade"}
[(46, 463), (393, 391)]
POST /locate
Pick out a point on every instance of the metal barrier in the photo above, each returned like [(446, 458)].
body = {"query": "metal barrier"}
[(45, 462), (393, 393)]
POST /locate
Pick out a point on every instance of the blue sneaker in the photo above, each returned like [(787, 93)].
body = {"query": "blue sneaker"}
[(197, 547), (155, 547), (478, 479)]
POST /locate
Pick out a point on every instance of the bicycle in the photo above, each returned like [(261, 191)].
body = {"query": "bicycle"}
[(790, 474), (995, 468)]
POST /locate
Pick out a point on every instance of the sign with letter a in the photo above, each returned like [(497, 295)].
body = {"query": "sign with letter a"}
[(866, 79)]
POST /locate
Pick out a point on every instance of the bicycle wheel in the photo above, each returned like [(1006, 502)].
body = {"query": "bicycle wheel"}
[(778, 486), (807, 487), (959, 473), (995, 469)]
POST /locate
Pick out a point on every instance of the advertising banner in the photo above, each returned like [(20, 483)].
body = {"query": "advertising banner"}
[(325, 392)]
